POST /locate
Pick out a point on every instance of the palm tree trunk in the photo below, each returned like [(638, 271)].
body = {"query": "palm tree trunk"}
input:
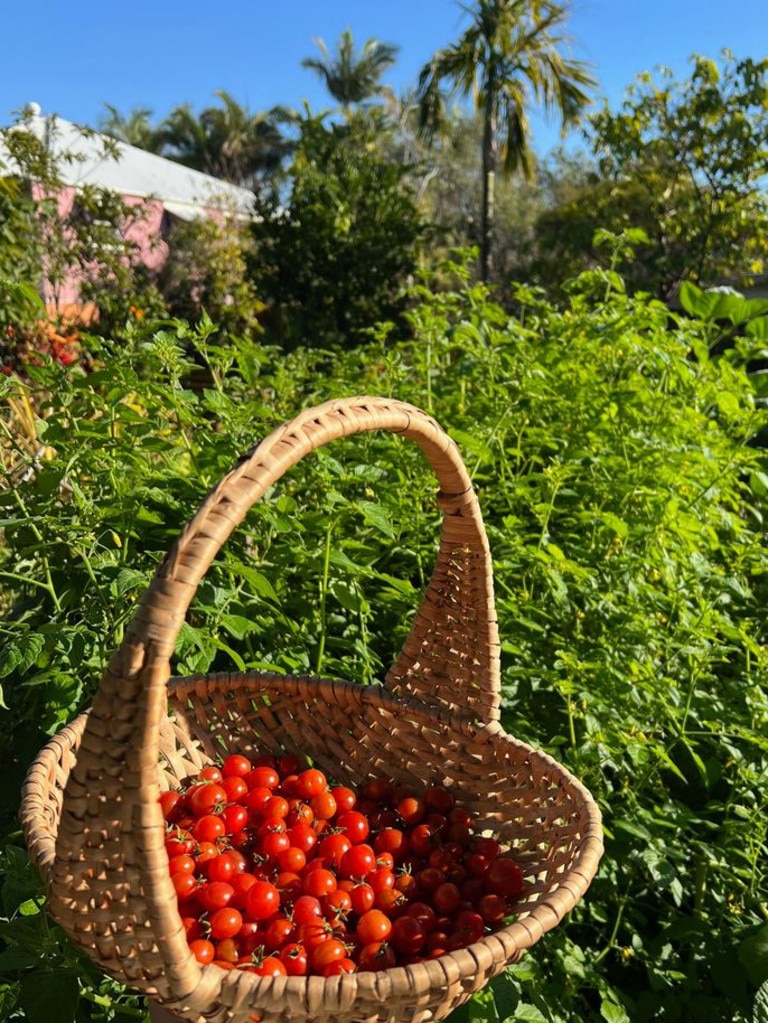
[(489, 184)]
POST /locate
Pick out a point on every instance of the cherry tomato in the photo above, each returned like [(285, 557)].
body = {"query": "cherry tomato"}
[(288, 883), (263, 777), (493, 908), (206, 798), (288, 763), (208, 828), (307, 909), (292, 859), (216, 895), (235, 818), (333, 848), (362, 897), (438, 798), (178, 841), (220, 868), (271, 966), (202, 950), (327, 952), (446, 897), (182, 864), (257, 798), (170, 804), (319, 883), (354, 825), (225, 923), (408, 935), (236, 766), (373, 926), (378, 790), (424, 913), (504, 877), (376, 956), (277, 806), (310, 783), (345, 965), (336, 904), (345, 797), (303, 836), (228, 950), (421, 840), (295, 959), (358, 861), (411, 810), (184, 885), (280, 931), (323, 806), (262, 900)]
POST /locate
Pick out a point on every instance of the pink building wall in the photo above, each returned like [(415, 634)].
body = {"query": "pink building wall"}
[(144, 234)]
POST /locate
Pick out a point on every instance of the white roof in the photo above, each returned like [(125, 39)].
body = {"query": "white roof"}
[(131, 171)]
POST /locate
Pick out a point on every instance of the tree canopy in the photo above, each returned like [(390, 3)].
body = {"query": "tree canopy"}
[(511, 53), (686, 162), (352, 76)]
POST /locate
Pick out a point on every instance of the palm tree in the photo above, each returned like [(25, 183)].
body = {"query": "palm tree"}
[(510, 52), (351, 76), (227, 141), (134, 128)]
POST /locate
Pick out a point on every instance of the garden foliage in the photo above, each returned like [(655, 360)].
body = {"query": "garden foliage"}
[(624, 498)]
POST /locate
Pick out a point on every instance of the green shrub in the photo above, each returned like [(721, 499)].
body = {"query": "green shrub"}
[(625, 507)]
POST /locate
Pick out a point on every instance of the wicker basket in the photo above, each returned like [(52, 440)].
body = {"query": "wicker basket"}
[(90, 807)]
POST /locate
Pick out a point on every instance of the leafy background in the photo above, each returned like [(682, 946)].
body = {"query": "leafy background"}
[(618, 467)]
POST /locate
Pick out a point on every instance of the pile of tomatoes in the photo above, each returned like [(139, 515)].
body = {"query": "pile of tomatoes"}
[(280, 872)]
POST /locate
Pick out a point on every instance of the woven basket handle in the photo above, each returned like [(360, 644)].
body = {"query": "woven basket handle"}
[(451, 654)]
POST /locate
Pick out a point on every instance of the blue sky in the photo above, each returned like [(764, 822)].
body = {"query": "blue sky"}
[(72, 57)]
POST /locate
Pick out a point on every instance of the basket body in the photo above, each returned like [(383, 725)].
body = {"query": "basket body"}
[(92, 819)]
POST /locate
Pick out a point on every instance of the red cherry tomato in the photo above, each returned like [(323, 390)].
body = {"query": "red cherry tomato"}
[(504, 877), (206, 798), (377, 956), (408, 935), (373, 926), (310, 783), (344, 796), (236, 766), (202, 950), (262, 900), (208, 828), (295, 959), (225, 923)]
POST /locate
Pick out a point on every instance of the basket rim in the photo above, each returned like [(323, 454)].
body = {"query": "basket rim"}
[(536, 920)]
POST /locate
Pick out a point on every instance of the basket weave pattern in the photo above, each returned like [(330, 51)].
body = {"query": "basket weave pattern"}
[(90, 807)]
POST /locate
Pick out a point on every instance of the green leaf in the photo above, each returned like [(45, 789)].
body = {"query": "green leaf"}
[(753, 956), (221, 645), (10, 659), (472, 444), (713, 305), (375, 515), (631, 828), (506, 995), (49, 995), (237, 625), (347, 596), (261, 585), (529, 1013), (758, 328), (613, 1013)]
